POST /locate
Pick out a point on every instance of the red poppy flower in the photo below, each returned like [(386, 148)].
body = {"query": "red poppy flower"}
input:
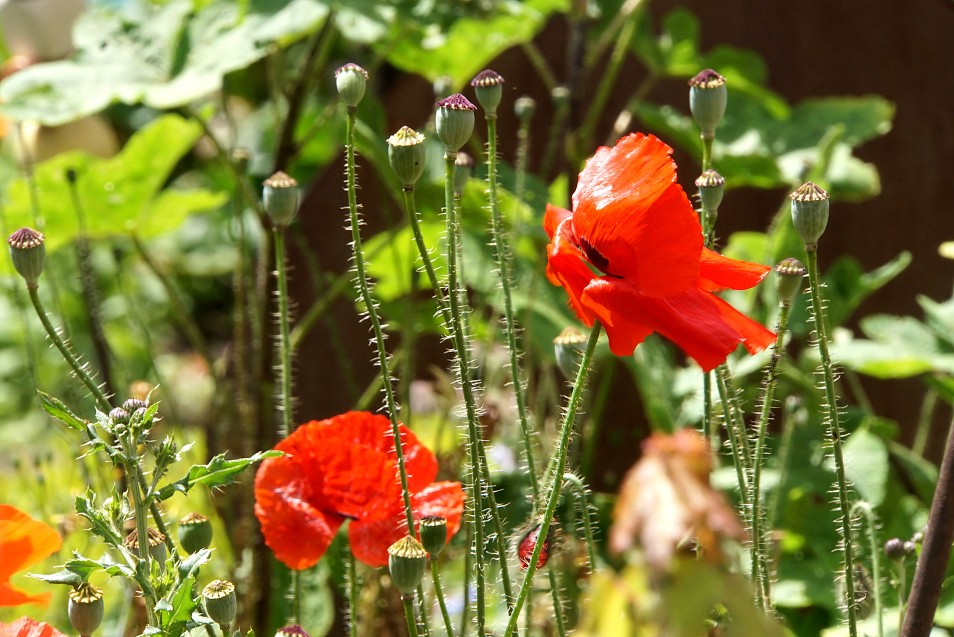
[(345, 468), (634, 224), (26, 627), (23, 542)]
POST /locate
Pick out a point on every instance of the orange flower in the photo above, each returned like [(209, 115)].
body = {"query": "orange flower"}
[(666, 499), (633, 223), (23, 542), (345, 468), (26, 627)]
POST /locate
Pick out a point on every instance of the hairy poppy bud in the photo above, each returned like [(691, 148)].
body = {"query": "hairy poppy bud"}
[(711, 187), (406, 154), (707, 100), (488, 85), (568, 348), (455, 121), (433, 532), (351, 81), (280, 196), (789, 274), (525, 107), (28, 254), (221, 604), (465, 170), (86, 608), (810, 213), (407, 562), (528, 544), (195, 532)]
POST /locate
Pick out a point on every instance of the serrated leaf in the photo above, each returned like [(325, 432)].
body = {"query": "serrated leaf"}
[(216, 473), (61, 577), (190, 566), (55, 407)]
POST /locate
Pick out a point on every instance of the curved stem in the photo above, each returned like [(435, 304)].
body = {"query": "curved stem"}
[(284, 340), (581, 493), (561, 452), (414, 218)]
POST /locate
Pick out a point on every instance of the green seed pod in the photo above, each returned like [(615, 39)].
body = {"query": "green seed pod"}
[(711, 187), (707, 100), (407, 562), (455, 121), (789, 275), (525, 107), (221, 604), (86, 608), (241, 157), (406, 154), (568, 348), (157, 545), (293, 630), (195, 533), (28, 254), (488, 85), (433, 532), (810, 213), (280, 196), (465, 170), (351, 81)]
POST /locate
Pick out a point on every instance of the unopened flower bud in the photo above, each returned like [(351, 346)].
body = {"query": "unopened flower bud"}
[(560, 96), (221, 604), (810, 213), (455, 121), (280, 196), (707, 100), (433, 531), (407, 562), (789, 274), (241, 157), (195, 533), (465, 170), (406, 154), (488, 85), (132, 404), (28, 254), (528, 544), (525, 107), (293, 630), (894, 549), (118, 416), (711, 187), (568, 348), (86, 608), (351, 81)]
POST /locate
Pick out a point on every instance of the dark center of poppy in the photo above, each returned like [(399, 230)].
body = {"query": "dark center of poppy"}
[(593, 255)]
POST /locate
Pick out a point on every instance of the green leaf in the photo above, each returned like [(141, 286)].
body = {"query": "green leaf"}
[(55, 407), (866, 465), (175, 610), (163, 57), (60, 577), (218, 472)]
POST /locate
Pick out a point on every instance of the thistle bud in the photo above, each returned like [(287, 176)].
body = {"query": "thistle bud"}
[(351, 81), (86, 608), (157, 545), (525, 107), (407, 562), (465, 170), (433, 532), (528, 544), (221, 604), (280, 196), (707, 100), (810, 213), (118, 416), (293, 630), (406, 154), (488, 85), (28, 254), (195, 533), (894, 549), (711, 187), (568, 348), (132, 404), (789, 274), (455, 121)]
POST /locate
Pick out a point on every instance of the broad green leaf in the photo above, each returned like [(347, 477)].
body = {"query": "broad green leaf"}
[(939, 317), (218, 472), (866, 465), (60, 577), (397, 259), (899, 347), (176, 609), (163, 57), (55, 407)]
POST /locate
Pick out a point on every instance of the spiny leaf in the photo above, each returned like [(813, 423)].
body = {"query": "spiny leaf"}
[(55, 407), (217, 473)]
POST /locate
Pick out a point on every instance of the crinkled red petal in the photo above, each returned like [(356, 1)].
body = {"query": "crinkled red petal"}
[(717, 272), (26, 627), (630, 211)]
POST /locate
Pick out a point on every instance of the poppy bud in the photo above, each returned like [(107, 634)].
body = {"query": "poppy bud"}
[(221, 604), (407, 562), (406, 154), (568, 348), (195, 533), (351, 81), (241, 157), (525, 107), (528, 544), (157, 546), (280, 196), (707, 99), (86, 608), (560, 96), (488, 85), (293, 630), (711, 187), (455, 121), (810, 213), (433, 532), (465, 170), (28, 254), (789, 274)]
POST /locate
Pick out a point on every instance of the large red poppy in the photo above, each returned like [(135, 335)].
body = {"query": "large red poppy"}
[(23, 542), (26, 627), (633, 225), (345, 468)]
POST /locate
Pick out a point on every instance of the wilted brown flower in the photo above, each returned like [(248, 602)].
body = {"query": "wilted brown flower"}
[(666, 499)]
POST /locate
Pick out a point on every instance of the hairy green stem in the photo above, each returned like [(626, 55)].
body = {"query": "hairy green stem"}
[(584, 504), (284, 340), (560, 455), (409, 616), (557, 602), (736, 434), (834, 424), (352, 596), (131, 464), (413, 216), (874, 546), (439, 593)]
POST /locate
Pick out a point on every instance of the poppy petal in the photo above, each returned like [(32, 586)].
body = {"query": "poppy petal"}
[(565, 267), (553, 217), (704, 326), (717, 272), (630, 211), (26, 627), (23, 541), (296, 531)]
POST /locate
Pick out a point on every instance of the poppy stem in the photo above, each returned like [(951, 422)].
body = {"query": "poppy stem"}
[(371, 306), (414, 217), (583, 500), (439, 593), (409, 616), (569, 421), (284, 340), (833, 418), (352, 596)]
